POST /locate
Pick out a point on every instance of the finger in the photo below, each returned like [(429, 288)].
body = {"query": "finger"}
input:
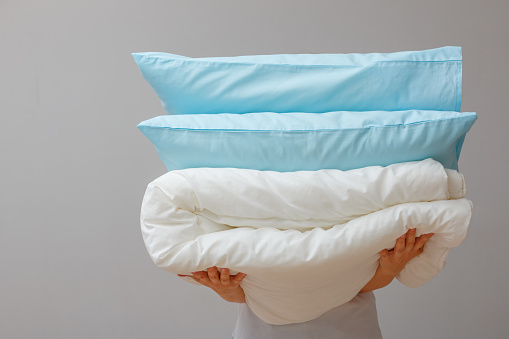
[(384, 253), (400, 245), (225, 276), (410, 240), (201, 277), (213, 275), (419, 251), (420, 244), (238, 278), (421, 241)]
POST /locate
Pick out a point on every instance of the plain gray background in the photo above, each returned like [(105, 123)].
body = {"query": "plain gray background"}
[(75, 167)]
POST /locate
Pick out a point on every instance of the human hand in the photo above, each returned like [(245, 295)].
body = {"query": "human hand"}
[(224, 284), (407, 247), (392, 262)]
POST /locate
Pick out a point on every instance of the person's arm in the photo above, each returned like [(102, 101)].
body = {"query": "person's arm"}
[(224, 284), (392, 262)]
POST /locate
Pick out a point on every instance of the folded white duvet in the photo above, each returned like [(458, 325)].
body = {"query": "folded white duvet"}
[(309, 240)]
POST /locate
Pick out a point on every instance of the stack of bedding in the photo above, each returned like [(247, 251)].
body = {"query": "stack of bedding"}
[(298, 169)]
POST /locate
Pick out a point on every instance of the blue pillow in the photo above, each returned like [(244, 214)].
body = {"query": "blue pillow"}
[(308, 141), (317, 83)]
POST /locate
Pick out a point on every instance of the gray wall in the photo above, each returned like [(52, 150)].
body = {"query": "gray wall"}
[(74, 166)]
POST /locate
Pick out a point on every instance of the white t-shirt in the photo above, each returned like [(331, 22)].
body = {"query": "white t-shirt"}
[(357, 319)]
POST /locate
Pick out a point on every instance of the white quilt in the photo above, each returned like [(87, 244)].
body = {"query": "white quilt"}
[(309, 240)]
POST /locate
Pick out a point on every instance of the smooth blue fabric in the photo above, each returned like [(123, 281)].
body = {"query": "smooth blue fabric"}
[(308, 141), (317, 83)]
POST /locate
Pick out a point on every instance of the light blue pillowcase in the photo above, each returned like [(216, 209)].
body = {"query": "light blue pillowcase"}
[(317, 83), (308, 141)]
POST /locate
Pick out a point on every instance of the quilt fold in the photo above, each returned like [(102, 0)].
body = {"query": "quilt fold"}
[(307, 240)]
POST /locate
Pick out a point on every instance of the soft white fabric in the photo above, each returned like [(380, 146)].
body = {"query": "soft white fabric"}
[(308, 241)]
